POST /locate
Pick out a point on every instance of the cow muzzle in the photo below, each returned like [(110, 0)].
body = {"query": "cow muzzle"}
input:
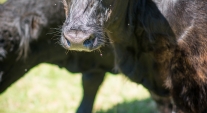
[(78, 40)]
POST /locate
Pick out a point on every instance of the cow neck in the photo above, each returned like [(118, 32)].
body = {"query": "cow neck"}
[(118, 12), (126, 16), (121, 20), (132, 55), (153, 20)]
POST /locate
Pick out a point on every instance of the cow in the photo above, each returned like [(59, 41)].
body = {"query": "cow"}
[(25, 41), (158, 43), (26, 31)]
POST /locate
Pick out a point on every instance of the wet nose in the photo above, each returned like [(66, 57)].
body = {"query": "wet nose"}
[(78, 40)]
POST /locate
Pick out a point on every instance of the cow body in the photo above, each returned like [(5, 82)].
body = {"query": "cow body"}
[(160, 44)]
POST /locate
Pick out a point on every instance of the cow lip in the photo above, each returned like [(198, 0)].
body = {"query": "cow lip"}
[(81, 48), (78, 47)]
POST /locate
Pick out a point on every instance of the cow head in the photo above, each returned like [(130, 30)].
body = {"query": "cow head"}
[(83, 29)]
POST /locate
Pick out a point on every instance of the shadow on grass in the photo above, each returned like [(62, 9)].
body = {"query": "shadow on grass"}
[(136, 106)]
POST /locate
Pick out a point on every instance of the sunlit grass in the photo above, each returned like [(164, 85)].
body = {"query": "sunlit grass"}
[(50, 89), (2, 1)]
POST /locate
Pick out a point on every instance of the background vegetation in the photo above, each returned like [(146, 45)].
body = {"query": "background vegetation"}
[(2, 1), (50, 89)]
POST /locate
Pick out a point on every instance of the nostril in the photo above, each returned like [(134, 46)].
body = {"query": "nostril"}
[(68, 42), (89, 42)]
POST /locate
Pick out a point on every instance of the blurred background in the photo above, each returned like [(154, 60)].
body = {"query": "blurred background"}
[(2, 1), (49, 89)]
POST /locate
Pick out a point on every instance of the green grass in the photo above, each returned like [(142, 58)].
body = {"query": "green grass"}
[(50, 89), (2, 1)]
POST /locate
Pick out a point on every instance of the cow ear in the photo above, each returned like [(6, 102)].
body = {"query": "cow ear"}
[(29, 28)]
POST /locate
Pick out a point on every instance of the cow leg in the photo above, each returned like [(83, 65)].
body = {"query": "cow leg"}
[(90, 82)]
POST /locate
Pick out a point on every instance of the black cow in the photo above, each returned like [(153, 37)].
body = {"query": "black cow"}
[(25, 29), (26, 41), (158, 43)]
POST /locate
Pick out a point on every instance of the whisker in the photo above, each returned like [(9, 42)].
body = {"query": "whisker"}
[(67, 51), (100, 52)]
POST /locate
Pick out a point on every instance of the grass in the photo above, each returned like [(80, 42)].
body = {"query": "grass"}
[(50, 89), (2, 1)]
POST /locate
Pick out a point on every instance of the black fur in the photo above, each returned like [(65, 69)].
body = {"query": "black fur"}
[(161, 44)]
